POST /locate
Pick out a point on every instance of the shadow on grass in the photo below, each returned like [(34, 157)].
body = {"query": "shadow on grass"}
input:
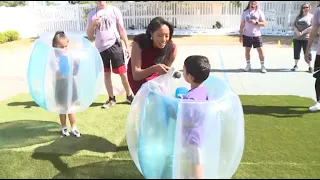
[(26, 104), (30, 104), (116, 169), (100, 104), (22, 133), (276, 111), (68, 146)]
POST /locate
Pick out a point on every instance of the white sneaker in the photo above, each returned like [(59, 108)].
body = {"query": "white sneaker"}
[(108, 104), (248, 68), (76, 133), (315, 107), (65, 132), (263, 69)]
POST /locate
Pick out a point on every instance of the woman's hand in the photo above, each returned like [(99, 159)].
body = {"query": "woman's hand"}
[(161, 68), (240, 39)]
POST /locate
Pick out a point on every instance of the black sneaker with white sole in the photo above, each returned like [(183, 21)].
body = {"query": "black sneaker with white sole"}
[(295, 67), (110, 102), (130, 99)]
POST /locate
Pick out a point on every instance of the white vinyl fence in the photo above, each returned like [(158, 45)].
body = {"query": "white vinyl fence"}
[(188, 17)]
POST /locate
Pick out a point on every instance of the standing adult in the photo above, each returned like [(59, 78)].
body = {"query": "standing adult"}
[(152, 53), (302, 27), (316, 74), (105, 21), (250, 35)]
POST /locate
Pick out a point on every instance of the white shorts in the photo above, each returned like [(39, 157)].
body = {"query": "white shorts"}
[(194, 154)]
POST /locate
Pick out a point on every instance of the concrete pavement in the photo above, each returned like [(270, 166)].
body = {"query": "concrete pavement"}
[(278, 81)]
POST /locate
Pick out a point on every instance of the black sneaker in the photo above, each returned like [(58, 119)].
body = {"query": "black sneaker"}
[(130, 99), (295, 67), (111, 102)]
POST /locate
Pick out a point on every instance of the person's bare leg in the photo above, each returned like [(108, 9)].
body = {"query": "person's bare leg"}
[(64, 129), (72, 119), (63, 119), (198, 174), (125, 83), (261, 55), (108, 83), (247, 54)]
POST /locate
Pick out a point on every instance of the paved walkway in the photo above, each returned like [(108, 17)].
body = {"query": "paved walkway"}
[(278, 81)]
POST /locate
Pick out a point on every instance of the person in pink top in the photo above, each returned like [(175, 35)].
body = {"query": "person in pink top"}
[(252, 19), (313, 34), (106, 23)]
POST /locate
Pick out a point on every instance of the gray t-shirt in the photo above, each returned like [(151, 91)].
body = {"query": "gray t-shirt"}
[(302, 24)]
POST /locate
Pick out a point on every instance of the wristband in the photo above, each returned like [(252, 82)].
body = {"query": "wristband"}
[(257, 23)]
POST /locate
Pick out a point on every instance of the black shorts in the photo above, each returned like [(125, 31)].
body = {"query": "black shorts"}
[(116, 56), (255, 42), (61, 91)]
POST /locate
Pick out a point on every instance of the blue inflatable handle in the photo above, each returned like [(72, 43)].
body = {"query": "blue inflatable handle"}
[(181, 91), (64, 65)]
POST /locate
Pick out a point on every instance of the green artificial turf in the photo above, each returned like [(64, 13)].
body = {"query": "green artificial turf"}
[(281, 141)]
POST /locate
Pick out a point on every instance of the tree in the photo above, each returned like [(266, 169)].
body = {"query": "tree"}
[(73, 2), (236, 3), (87, 2), (49, 3), (13, 3)]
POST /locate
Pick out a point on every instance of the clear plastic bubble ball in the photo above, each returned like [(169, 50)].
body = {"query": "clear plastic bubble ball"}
[(64, 80), (174, 138)]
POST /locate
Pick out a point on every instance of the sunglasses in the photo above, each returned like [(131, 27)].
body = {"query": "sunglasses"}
[(305, 8)]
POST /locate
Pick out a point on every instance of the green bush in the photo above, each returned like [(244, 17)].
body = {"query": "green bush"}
[(12, 35), (3, 38)]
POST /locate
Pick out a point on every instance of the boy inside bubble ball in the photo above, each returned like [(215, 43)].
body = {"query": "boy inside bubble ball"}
[(196, 70), (60, 42)]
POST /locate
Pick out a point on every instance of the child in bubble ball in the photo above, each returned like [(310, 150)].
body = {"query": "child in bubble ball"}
[(196, 70), (60, 42)]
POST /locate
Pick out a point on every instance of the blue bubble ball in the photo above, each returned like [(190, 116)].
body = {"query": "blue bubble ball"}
[(174, 138), (65, 80)]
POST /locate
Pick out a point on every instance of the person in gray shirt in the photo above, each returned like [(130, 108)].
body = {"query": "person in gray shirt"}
[(302, 27)]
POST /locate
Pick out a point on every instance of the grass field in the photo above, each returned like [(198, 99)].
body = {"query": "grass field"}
[(282, 141)]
